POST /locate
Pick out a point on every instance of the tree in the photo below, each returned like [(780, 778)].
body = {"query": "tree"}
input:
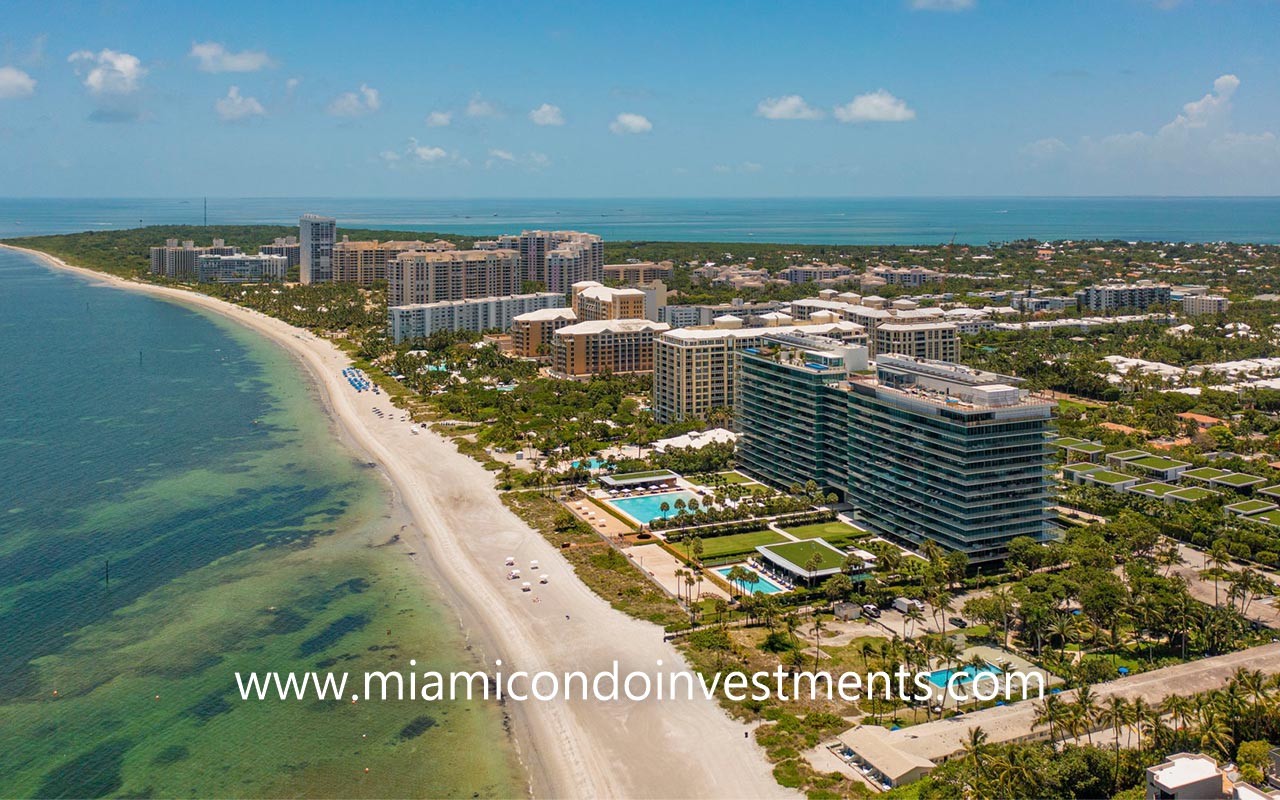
[(664, 507)]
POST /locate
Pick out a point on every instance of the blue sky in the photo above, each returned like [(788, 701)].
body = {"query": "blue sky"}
[(485, 99)]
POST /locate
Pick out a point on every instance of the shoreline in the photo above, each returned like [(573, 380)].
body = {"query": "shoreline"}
[(460, 537)]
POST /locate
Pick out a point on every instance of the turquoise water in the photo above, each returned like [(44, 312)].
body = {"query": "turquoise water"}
[(939, 677), (863, 220), (762, 586), (191, 460), (591, 463), (649, 507)]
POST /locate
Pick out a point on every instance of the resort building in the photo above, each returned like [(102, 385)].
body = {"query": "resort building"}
[(180, 260), (316, 236), (924, 450), (593, 300), (905, 276), (286, 246), (695, 369), (1196, 304), (1187, 776), (939, 341), (1113, 296), (815, 272), (615, 345), (241, 268), (531, 333), (476, 314), (556, 259), (365, 262), (432, 277), (638, 272)]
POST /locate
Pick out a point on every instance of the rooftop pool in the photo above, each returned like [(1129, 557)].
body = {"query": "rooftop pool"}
[(649, 507), (763, 586)]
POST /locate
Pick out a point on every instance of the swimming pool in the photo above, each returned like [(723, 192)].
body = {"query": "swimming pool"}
[(649, 507), (763, 586), (939, 677), (592, 463)]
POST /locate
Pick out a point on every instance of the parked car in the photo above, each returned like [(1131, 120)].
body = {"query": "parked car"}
[(956, 622), (871, 611)]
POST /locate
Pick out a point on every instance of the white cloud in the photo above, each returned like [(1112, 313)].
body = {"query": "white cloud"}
[(439, 119), (501, 158), (292, 84), (791, 106), (213, 57), (109, 72), (356, 104), (943, 5), (1043, 149), (877, 106), (546, 114), (481, 108), (745, 167), (1197, 152), (417, 154), (15, 83), (237, 107), (113, 79), (626, 123)]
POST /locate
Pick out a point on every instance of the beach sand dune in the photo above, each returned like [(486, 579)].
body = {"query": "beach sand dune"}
[(461, 537)]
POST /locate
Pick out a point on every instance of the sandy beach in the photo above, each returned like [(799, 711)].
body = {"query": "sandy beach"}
[(461, 536)]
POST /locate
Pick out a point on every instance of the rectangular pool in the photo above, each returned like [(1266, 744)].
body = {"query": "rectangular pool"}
[(763, 586), (649, 507), (939, 677)]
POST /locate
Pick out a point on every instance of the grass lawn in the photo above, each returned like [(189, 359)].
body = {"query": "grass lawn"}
[(720, 546), (1238, 480), (1251, 506), (1205, 473), (1192, 494), (1156, 463), (1108, 477), (798, 553), (735, 477), (833, 533), (1154, 489)]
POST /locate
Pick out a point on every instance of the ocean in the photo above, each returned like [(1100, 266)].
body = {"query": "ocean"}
[(174, 508), (801, 221)]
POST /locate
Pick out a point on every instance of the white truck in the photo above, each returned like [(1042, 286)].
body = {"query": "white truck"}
[(905, 604)]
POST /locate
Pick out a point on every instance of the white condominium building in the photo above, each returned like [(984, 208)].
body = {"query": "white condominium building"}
[(478, 315), (241, 268)]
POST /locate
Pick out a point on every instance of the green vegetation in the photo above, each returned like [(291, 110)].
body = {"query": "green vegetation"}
[(738, 544), (811, 554), (833, 532)]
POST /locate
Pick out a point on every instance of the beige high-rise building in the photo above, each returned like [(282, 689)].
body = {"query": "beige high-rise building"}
[(936, 341), (620, 346), (1204, 304), (364, 262), (694, 368), (638, 273), (418, 277), (593, 300), (532, 333)]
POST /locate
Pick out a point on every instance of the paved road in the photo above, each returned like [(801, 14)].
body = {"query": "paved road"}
[(1264, 610)]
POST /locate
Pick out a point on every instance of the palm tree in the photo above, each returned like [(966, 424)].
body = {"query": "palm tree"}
[(975, 752), (1116, 714), (664, 507), (1086, 707), (1048, 712), (818, 627), (912, 617)]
